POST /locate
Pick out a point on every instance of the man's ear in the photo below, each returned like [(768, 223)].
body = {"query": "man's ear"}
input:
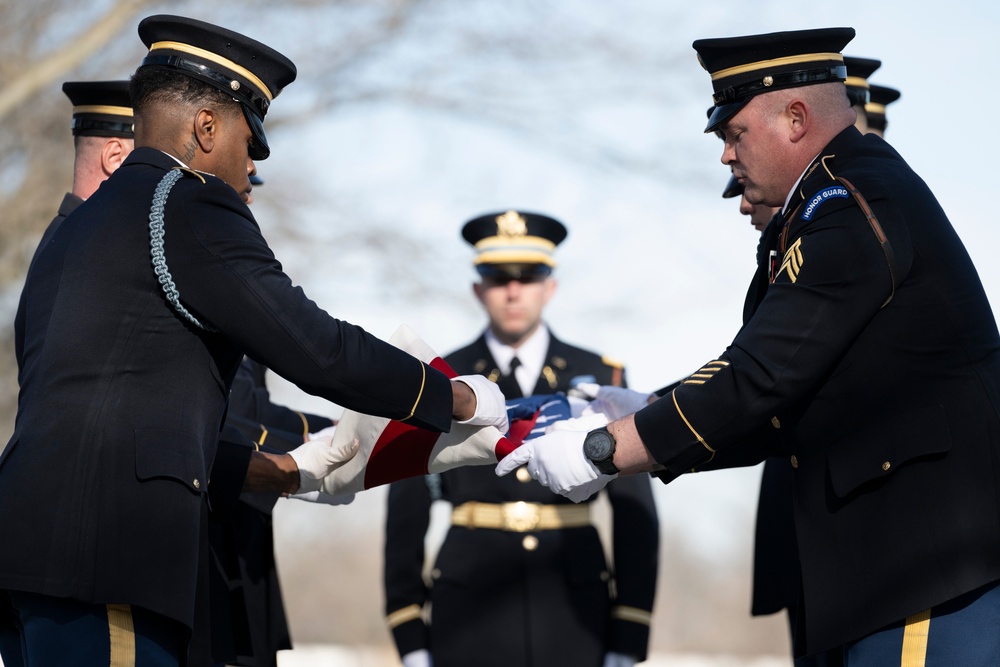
[(478, 289), (799, 118), (206, 129), (113, 154)]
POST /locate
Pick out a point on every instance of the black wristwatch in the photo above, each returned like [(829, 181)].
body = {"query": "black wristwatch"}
[(599, 447)]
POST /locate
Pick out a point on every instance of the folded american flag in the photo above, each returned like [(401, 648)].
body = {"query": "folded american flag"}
[(392, 450)]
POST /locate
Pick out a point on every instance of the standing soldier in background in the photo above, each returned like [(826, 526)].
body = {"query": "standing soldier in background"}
[(521, 578), (775, 554), (880, 98), (103, 137), (858, 71), (247, 620)]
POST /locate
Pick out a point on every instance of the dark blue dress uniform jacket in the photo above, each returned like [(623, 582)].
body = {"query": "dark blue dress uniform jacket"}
[(886, 412), (103, 483), (492, 601)]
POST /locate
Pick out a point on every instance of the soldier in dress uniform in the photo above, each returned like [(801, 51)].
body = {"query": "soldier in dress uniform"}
[(775, 556), (858, 71), (879, 98), (247, 620), (127, 346), (518, 557), (102, 138), (759, 215), (869, 359)]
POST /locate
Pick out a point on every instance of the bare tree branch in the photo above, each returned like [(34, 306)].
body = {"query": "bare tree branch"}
[(43, 72)]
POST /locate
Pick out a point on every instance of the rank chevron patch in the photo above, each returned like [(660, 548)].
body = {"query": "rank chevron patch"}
[(706, 372), (792, 263)]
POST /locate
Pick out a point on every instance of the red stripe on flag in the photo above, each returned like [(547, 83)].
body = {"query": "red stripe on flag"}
[(519, 430), (504, 447), (402, 450)]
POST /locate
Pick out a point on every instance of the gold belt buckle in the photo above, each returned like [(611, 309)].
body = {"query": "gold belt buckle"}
[(520, 517)]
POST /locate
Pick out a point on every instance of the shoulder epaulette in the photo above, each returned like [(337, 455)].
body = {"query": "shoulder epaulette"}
[(613, 363)]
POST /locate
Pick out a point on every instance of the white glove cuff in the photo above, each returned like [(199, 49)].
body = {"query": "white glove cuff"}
[(491, 408)]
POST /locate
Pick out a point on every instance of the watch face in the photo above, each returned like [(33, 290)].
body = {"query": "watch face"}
[(597, 445)]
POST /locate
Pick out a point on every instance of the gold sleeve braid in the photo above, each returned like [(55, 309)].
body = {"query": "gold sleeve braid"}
[(697, 435), (633, 614), (404, 615), (420, 394)]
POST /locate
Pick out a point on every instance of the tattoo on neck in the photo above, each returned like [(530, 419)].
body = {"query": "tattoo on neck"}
[(189, 149)]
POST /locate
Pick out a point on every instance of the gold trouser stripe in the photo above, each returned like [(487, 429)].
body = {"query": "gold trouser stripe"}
[(263, 437), (520, 517), (218, 60), (423, 381), (122, 633), (704, 444), (915, 640), (305, 426), (404, 615), (634, 614), (776, 62)]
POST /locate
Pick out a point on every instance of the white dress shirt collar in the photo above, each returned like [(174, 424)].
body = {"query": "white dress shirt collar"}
[(531, 353)]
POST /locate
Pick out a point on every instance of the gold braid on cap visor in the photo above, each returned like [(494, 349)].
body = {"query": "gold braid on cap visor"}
[(260, 98), (104, 109), (777, 62)]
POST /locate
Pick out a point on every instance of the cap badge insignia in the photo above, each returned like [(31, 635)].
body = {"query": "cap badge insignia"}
[(511, 224)]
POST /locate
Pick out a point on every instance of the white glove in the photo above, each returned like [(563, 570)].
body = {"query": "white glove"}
[(618, 660), (419, 658), (491, 407), (556, 460), (321, 498), (617, 402), (318, 458)]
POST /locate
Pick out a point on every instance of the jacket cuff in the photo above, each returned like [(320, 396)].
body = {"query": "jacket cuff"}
[(629, 631), (671, 439), (408, 629)]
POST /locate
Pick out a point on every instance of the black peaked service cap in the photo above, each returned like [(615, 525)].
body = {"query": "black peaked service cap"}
[(253, 73), (743, 67), (733, 188), (858, 72), (100, 108), (881, 96), (514, 244)]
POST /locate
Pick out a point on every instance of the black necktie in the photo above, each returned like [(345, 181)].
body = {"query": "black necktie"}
[(508, 383)]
